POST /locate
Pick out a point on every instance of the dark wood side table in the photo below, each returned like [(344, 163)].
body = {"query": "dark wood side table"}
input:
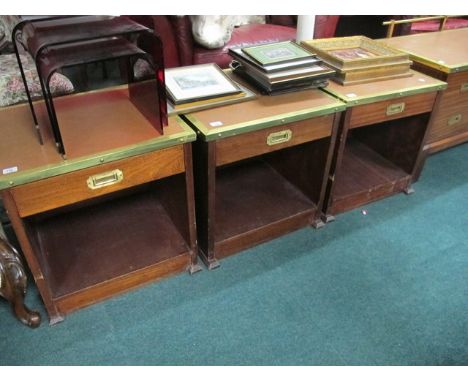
[(381, 139), (118, 213), (442, 55), (261, 168)]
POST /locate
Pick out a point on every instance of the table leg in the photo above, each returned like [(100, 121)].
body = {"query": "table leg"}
[(13, 282)]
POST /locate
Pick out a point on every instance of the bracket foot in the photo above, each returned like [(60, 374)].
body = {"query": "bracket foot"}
[(194, 268), (209, 263)]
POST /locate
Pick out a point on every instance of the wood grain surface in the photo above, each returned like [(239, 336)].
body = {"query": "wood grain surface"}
[(446, 48), (377, 112), (454, 102), (255, 143), (48, 194)]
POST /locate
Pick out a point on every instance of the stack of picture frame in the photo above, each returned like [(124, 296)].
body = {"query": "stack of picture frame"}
[(281, 67), (359, 59)]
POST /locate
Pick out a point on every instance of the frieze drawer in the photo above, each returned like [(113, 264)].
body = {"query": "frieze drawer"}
[(392, 109), (259, 142), (73, 187)]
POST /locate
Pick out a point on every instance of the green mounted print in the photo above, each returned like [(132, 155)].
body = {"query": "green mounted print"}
[(277, 52)]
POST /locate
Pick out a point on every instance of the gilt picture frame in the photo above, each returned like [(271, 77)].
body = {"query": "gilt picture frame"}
[(345, 53)]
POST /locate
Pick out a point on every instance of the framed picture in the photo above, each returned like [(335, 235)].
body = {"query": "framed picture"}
[(198, 82), (355, 52), (267, 54), (352, 53), (359, 59)]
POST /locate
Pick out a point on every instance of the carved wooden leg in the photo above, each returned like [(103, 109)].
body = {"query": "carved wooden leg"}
[(13, 283), (26, 316)]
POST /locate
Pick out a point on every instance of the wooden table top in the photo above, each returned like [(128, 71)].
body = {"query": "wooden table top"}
[(263, 112), (444, 50), (97, 127), (361, 94)]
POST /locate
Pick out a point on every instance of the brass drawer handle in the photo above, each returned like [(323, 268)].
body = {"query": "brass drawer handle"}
[(279, 137), (464, 87), (395, 108), (104, 179), (456, 118)]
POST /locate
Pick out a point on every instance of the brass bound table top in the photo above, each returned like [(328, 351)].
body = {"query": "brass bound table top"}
[(361, 94), (263, 112), (96, 133), (445, 50)]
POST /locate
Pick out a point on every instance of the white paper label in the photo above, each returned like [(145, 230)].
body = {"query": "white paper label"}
[(351, 95), (216, 124), (9, 170)]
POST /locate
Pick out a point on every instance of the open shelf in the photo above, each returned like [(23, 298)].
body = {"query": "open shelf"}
[(375, 161), (251, 195), (102, 242), (365, 176), (250, 190), (103, 222)]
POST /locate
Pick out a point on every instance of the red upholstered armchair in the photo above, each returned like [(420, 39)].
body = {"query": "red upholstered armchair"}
[(180, 48)]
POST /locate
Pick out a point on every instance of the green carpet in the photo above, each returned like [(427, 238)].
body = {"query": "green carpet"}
[(386, 288)]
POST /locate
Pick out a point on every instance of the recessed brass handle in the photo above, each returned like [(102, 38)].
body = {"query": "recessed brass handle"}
[(456, 118), (105, 179), (464, 87), (395, 108), (279, 137)]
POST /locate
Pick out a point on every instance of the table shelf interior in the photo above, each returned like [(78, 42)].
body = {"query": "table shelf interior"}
[(252, 195), (378, 160), (263, 190), (363, 170), (108, 238)]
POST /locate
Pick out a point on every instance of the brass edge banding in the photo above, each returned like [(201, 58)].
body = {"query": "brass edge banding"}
[(68, 165), (190, 119), (434, 64), (263, 123), (190, 133), (429, 61), (389, 95)]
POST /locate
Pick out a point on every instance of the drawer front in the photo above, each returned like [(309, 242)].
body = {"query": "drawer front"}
[(391, 109), (451, 118), (259, 142), (457, 84), (63, 190)]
